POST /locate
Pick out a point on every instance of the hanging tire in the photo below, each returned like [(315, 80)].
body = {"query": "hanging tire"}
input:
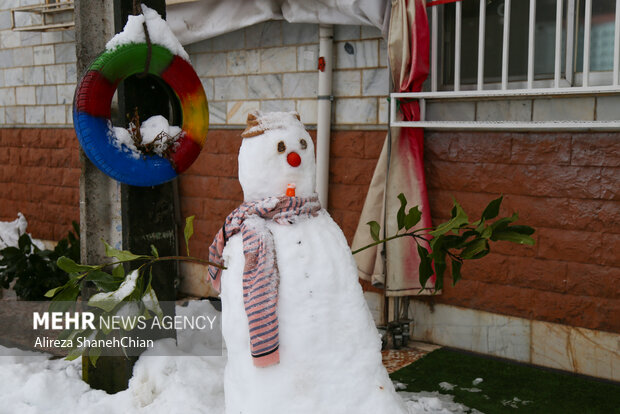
[(92, 113)]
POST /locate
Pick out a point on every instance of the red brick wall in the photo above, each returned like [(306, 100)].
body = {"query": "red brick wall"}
[(39, 176), (564, 185), (210, 189)]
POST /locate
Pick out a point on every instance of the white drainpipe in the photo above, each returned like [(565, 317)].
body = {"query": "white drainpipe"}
[(324, 111)]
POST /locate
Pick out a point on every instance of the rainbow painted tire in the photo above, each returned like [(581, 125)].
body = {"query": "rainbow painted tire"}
[(91, 113)]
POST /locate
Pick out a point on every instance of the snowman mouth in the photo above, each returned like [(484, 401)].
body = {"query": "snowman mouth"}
[(293, 159)]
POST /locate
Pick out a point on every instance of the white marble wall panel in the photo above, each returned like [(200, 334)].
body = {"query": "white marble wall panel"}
[(55, 114), (14, 115), (265, 86), (267, 34), (230, 88), (24, 95), (356, 111), (65, 93), (301, 85), (299, 34), (278, 105), (357, 54), (23, 56), (14, 77), (278, 59), (347, 83), (46, 95), (35, 114), (237, 112), (307, 57), (44, 55), (573, 349), (307, 109), (375, 82), (55, 74), (243, 62), (7, 96)]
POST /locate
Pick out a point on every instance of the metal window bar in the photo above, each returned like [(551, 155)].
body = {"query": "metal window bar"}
[(481, 31), (518, 90)]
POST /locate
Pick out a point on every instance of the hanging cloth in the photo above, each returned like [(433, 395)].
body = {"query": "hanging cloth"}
[(401, 161)]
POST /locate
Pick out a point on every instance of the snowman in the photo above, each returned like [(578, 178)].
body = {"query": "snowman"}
[(299, 335)]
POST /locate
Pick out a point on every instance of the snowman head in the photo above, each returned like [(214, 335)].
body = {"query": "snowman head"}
[(276, 151)]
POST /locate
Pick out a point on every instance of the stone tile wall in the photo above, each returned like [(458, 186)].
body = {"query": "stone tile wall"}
[(37, 73), (273, 66)]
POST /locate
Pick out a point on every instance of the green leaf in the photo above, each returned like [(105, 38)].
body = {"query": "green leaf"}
[(474, 247), (456, 271), (502, 223), (425, 269), (413, 217), (440, 269), (118, 272), (154, 251), (375, 228), (69, 266), (103, 280), (50, 293), (513, 236), (65, 299), (24, 243), (492, 210), (121, 255), (188, 232), (400, 216), (109, 300), (93, 355), (460, 218), (522, 229)]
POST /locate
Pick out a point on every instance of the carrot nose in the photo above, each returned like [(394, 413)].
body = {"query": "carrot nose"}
[(293, 159)]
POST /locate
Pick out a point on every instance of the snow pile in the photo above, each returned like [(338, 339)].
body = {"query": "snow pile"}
[(10, 231), (434, 403), (155, 132), (30, 382), (159, 33)]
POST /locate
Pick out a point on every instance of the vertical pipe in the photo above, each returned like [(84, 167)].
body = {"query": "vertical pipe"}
[(457, 45), (530, 45), (617, 44), (506, 45), (434, 34), (570, 41), (324, 110), (481, 33), (558, 43), (586, 42)]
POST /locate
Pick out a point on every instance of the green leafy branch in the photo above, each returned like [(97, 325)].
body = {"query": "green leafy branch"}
[(116, 293), (453, 241)]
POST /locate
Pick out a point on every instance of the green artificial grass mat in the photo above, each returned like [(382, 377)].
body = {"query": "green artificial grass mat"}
[(537, 390)]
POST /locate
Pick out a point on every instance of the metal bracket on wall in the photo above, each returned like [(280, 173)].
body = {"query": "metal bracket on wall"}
[(45, 17)]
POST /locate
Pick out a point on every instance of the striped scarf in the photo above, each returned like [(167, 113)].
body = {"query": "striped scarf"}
[(260, 273)]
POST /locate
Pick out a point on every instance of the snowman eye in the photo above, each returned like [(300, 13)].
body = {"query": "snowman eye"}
[(303, 143), (281, 147)]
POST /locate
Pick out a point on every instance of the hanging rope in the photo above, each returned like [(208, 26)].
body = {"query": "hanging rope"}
[(137, 10)]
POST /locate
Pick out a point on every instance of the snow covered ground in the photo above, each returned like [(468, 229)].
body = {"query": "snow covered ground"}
[(31, 383)]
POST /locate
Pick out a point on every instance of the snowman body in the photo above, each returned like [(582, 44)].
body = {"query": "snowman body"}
[(330, 359)]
